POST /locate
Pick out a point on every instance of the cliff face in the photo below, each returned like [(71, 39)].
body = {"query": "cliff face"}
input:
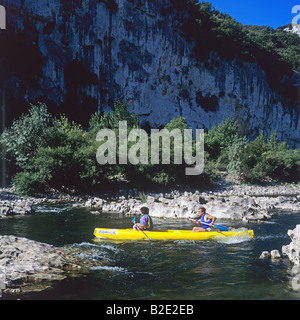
[(85, 55)]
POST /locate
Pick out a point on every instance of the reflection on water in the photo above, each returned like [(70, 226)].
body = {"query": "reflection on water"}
[(227, 268)]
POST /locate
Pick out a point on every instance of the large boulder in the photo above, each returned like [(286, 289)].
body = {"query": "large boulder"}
[(292, 250), (24, 261)]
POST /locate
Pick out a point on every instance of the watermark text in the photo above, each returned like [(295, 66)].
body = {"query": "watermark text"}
[(2, 17), (2, 280), (133, 147), (296, 18), (295, 282)]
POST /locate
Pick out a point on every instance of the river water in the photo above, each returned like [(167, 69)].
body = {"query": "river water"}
[(160, 270)]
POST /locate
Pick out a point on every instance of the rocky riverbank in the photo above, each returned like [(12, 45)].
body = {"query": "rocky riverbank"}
[(292, 250), (27, 265), (229, 201), (12, 204), (226, 200)]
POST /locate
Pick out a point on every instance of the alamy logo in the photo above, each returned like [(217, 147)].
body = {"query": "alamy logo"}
[(295, 9), (2, 18), (2, 280), (296, 278), (133, 147)]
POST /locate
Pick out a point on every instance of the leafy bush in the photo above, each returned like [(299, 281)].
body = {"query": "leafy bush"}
[(110, 120), (234, 154), (56, 153), (281, 165), (56, 165), (220, 137), (28, 183), (27, 134), (264, 159), (253, 161), (177, 123), (253, 152)]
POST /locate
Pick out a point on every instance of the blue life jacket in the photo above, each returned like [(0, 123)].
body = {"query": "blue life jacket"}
[(205, 223)]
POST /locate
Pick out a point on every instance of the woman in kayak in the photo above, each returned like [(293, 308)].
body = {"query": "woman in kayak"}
[(146, 223), (205, 220)]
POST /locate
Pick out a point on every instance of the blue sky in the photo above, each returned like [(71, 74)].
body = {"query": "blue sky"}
[(273, 13)]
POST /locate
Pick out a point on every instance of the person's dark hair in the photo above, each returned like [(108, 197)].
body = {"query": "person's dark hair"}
[(202, 209), (144, 210)]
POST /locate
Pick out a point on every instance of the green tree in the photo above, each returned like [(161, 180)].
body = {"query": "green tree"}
[(220, 137), (110, 120), (30, 132), (234, 154)]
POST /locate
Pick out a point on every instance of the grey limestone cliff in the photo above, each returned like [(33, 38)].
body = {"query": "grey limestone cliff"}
[(83, 55)]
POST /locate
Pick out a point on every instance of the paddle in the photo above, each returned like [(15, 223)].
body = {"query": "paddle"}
[(138, 227), (214, 226)]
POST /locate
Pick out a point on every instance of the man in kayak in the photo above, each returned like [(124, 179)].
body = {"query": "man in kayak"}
[(205, 220), (146, 223)]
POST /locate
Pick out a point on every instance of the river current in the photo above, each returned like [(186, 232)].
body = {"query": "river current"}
[(160, 270)]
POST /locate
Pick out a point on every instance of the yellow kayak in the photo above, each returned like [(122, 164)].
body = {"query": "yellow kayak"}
[(130, 234)]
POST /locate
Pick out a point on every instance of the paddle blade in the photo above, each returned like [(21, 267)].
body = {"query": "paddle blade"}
[(133, 219), (222, 228)]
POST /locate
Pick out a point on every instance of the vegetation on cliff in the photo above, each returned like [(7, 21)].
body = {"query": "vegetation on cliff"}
[(211, 29)]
